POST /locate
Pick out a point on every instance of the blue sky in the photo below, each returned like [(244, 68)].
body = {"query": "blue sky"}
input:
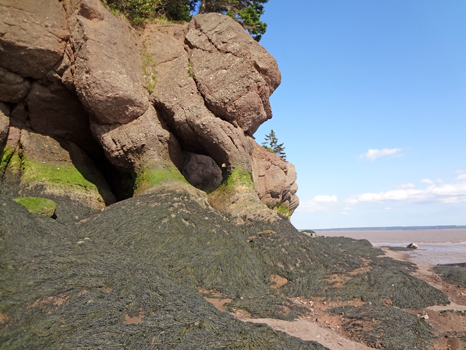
[(371, 109)]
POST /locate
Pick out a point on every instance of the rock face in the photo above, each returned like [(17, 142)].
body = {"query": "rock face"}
[(13, 88), (37, 165), (33, 35), (183, 107), (274, 179), (107, 67), (233, 72), (172, 103)]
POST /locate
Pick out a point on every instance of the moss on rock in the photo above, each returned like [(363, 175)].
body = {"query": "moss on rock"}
[(6, 156), (61, 175), (282, 211), (38, 205), (153, 174)]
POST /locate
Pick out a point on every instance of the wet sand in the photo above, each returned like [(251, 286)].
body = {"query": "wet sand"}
[(436, 246)]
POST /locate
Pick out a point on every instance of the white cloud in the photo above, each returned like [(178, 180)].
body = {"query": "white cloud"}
[(373, 154), (347, 208), (461, 177), (427, 181), (351, 201), (408, 185), (344, 213), (326, 199), (440, 193), (431, 182), (461, 171), (319, 203)]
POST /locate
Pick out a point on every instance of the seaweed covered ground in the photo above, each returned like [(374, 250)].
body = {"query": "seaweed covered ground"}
[(137, 275), (452, 273)]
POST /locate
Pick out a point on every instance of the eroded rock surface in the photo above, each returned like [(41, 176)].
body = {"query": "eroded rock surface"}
[(274, 179), (233, 72), (33, 35), (13, 88), (107, 68), (183, 107), (38, 165), (171, 100)]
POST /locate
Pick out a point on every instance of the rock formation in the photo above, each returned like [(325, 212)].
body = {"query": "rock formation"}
[(93, 112), (174, 102)]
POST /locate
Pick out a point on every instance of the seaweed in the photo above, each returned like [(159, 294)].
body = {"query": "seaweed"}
[(130, 276), (385, 327), (452, 273), (60, 290)]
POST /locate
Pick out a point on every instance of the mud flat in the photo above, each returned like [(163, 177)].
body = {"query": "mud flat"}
[(436, 246)]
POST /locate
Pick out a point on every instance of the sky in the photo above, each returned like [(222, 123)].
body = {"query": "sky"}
[(371, 109)]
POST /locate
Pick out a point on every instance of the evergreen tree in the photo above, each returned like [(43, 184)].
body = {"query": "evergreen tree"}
[(245, 12), (271, 144)]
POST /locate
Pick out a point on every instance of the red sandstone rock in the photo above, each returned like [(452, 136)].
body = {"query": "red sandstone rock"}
[(33, 35), (234, 73), (107, 70), (13, 88), (274, 179)]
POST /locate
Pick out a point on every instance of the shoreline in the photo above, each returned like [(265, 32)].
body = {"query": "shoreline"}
[(328, 330), (444, 246)]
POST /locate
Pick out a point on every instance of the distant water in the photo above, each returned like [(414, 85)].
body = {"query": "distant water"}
[(436, 246)]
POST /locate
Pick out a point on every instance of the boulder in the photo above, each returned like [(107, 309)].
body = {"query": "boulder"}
[(184, 110), (412, 246), (33, 35), (55, 111), (202, 172), (13, 88), (107, 69), (234, 74), (274, 179)]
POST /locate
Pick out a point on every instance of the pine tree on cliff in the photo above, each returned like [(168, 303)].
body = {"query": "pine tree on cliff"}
[(245, 12), (271, 144)]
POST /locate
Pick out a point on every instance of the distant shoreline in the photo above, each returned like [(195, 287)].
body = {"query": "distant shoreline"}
[(391, 228)]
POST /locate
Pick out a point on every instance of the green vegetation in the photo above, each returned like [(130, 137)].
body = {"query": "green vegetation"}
[(137, 11), (148, 68), (190, 70), (282, 210), (6, 157), (238, 177), (245, 12), (151, 175), (271, 144), (64, 176), (38, 205)]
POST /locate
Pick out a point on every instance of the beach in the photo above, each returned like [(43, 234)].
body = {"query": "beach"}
[(436, 246)]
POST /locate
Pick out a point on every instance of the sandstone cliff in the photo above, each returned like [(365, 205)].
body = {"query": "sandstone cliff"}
[(168, 103), (140, 144)]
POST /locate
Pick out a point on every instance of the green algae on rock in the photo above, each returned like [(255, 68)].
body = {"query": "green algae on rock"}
[(38, 205), (152, 174)]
